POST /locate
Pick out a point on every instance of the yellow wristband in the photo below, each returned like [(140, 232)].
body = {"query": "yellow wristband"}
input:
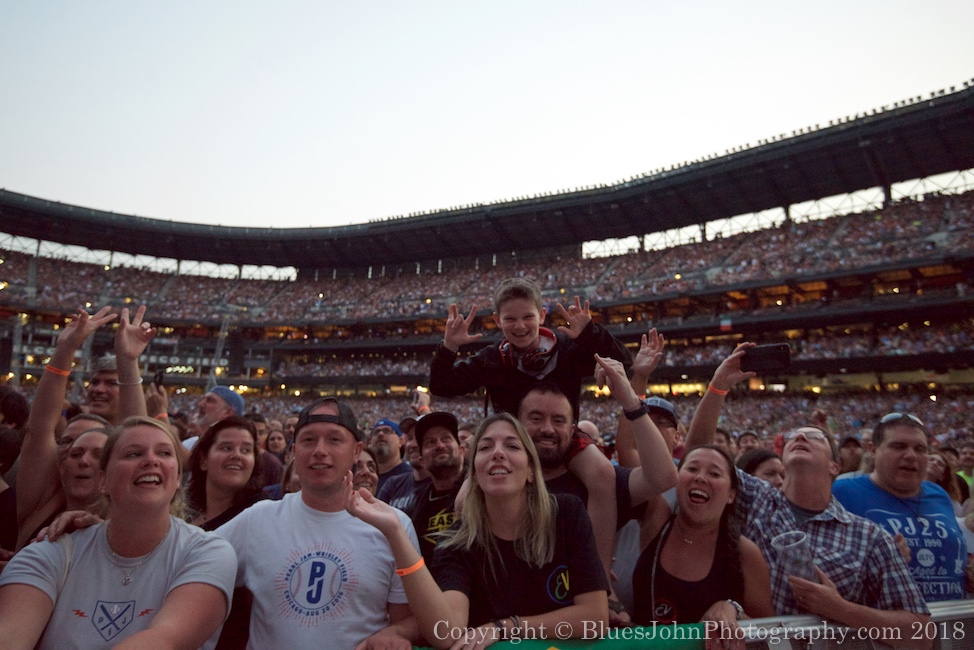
[(412, 569)]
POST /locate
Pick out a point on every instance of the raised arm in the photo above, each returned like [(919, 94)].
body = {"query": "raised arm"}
[(703, 427), (643, 364), (130, 341), (656, 472), (37, 478)]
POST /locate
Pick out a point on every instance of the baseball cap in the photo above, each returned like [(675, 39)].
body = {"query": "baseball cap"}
[(436, 419), (234, 399), (386, 422), (663, 406), (345, 417)]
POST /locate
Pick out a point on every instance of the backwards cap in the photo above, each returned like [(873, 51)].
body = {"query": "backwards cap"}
[(345, 417)]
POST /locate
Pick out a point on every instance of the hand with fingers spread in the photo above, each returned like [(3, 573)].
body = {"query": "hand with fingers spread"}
[(82, 326), (457, 331), (132, 336), (577, 316), (361, 504), (649, 355)]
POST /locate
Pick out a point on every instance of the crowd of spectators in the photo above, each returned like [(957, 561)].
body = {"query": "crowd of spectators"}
[(908, 230), (850, 413)]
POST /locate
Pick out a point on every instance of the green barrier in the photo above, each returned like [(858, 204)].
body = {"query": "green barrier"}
[(655, 637)]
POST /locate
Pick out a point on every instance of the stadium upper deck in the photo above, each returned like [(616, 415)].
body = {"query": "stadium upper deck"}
[(916, 138)]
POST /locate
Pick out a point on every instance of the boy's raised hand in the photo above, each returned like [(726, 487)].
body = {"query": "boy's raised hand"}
[(577, 317), (457, 330)]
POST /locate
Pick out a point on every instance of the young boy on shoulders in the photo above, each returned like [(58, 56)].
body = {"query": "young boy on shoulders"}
[(529, 354)]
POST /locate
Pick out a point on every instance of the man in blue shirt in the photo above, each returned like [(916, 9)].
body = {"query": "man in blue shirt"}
[(896, 497)]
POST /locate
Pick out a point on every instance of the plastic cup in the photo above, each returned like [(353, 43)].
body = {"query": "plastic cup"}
[(795, 555)]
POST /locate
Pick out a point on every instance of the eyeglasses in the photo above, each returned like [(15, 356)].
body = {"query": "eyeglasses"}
[(811, 434), (896, 417)]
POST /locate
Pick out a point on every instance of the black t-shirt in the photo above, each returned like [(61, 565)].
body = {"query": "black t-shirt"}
[(401, 468), (518, 587), (433, 512), (568, 483)]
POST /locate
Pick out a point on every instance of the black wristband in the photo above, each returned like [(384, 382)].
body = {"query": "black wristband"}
[(636, 413)]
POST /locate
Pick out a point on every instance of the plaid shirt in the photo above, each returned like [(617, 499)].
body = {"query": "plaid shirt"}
[(856, 554)]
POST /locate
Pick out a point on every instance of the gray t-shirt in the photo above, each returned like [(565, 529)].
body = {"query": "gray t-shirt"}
[(93, 608)]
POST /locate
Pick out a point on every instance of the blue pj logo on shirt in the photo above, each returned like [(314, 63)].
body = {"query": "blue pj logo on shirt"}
[(110, 618), (315, 583)]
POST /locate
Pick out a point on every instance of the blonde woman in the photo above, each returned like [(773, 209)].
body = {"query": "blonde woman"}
[(519, 563), (143, 578)]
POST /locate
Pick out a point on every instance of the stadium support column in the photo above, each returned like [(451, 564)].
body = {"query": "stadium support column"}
[(887, 196), (787, 210)]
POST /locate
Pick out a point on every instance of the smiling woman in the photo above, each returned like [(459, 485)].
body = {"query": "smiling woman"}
[(145, 577), (518, 562), (224, 472)]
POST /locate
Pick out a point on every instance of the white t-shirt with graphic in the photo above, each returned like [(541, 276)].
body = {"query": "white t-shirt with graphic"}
[(93, 608), (318, 578)]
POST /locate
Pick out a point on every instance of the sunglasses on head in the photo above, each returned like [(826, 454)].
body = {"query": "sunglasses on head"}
[(811, 434), (896, 417)]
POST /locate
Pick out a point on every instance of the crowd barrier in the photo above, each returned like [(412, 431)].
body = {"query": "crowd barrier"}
[(951, 627)]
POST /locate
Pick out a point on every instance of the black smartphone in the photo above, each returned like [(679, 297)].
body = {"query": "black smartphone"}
[(765, 358), (159, 378)]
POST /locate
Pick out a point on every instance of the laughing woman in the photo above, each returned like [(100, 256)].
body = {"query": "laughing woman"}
[(519, 562), (143, 578), (698, 567)]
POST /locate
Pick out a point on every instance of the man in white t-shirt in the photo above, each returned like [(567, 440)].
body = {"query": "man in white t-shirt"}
[(319, 576)]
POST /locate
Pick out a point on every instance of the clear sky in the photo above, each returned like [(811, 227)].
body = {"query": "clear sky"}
[(294, 113)]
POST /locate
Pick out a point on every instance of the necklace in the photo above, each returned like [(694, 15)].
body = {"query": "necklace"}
[(127, 579)]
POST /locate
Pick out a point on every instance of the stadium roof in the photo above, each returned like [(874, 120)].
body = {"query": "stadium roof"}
[(903, 142)]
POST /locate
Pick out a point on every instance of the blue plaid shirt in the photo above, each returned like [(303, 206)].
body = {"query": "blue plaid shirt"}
[(856, 554)]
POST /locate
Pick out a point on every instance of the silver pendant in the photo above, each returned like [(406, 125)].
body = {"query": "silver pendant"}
[(126, 580)]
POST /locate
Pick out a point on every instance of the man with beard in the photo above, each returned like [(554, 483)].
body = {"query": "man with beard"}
[(385, 443), (546, 414), (220, 402), (434, 508)]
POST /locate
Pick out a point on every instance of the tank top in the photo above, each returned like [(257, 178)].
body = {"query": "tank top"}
[(677, 600)]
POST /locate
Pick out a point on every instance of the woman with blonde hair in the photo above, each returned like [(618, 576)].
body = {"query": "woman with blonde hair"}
[(143, 578), (519, 561)]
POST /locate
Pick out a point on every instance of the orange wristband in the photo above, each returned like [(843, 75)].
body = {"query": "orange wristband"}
[(162, 416), (412, 569), (717, 391), (57, 371)]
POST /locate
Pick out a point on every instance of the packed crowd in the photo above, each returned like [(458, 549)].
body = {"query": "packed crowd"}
[(909, 230), (385, 522)]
